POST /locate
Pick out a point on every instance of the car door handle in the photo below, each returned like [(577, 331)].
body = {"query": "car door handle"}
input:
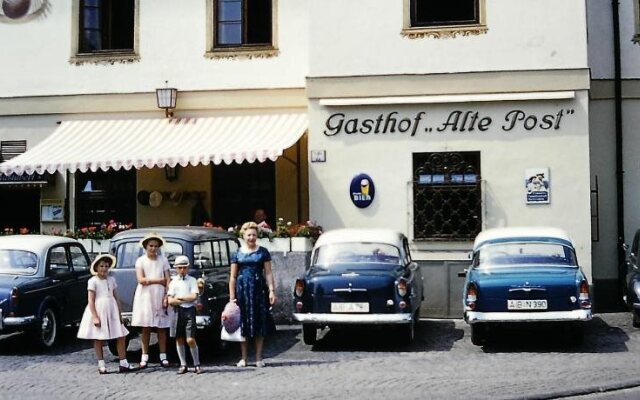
[(463, 273)]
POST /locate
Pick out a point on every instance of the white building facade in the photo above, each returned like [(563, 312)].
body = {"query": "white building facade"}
[(449, 115), (438, 119)]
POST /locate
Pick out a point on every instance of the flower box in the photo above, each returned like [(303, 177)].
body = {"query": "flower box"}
[(301, 244)]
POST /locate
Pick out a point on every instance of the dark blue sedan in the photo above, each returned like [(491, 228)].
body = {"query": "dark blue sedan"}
[(525, 275), (359, 276), (43, 285)]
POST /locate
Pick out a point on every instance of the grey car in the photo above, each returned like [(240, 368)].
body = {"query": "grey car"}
[(209, 251)]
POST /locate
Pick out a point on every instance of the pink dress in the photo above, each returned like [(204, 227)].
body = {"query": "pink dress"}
[(147, 302), (107, 310)]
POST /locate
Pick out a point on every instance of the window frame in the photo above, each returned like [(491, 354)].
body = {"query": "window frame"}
[(636, 18), (443, 31), (420, 189), (244, 50), (79, 57)]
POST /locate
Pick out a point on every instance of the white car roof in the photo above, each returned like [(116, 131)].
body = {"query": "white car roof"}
[(354, 235), (520, 232), (33, 243)]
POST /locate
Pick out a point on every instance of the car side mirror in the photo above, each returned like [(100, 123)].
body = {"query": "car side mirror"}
[(463, 273), (412, 266)]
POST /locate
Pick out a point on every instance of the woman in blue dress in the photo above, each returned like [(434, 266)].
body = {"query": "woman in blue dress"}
[(252, 286)]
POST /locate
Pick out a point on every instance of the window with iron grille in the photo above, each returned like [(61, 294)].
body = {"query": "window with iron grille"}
[(11, 148), (242, 23), (447, 197), (107, 26), (444, 12)]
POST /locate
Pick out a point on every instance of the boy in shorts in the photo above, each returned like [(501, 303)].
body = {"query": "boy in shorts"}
[(182, 295)]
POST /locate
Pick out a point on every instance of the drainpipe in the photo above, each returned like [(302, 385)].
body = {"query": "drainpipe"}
[(615, 6)]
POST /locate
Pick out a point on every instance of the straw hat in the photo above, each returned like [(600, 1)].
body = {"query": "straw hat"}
[(150, 236), (100, 257), (155, 199), (143, 197), (176, 197)]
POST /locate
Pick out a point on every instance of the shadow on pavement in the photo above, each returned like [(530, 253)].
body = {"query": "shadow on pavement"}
[(599, 337), (23, 344), (430, 335)]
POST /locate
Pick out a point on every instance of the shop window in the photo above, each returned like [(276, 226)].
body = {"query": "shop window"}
[(242, 27), (106, 30), (11, 148), (104, 196), (447, 197), (440, 18)]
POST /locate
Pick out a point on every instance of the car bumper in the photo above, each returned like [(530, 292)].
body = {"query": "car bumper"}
[(403, 318), (202, 321), (473, 317), (13, 323)]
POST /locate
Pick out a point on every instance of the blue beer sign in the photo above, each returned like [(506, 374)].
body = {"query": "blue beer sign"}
[(362, 190)]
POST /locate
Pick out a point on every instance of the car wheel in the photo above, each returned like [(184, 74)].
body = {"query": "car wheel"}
[(478, 334), (113, 345), (635, 320), (309, 334), (408, 332), (46, 333)]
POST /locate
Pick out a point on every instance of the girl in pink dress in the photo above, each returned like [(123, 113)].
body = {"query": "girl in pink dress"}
[(150, 304), (101, 319)]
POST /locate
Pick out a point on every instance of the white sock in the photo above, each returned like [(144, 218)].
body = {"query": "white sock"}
[(124, 363), (182, 355), (101, 364), (163, 356), (144, 358), (195, 355)]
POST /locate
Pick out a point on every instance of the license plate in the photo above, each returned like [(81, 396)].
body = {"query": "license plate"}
[(350, 307), (527, 304)]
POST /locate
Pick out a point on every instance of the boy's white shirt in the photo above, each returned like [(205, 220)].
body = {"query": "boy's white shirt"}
[(182, 287)]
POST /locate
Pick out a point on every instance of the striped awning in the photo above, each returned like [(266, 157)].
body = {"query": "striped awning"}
[(135, 143)]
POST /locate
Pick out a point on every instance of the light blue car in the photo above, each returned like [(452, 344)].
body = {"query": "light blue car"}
[(524, 275)]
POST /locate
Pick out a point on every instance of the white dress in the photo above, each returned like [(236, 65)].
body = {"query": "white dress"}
[(147, 302), (107, 310)]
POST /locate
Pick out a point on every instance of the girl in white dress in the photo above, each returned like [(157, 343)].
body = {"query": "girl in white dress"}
[(101, 319), (150, 304)]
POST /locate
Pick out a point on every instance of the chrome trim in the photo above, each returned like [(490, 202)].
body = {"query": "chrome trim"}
[(527, 289), (203, 321), (403, 318), (15, 321), (636, 305), (349, 290), (473, 317)]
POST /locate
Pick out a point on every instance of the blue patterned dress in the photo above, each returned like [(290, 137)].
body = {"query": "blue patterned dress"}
[(252, 292)]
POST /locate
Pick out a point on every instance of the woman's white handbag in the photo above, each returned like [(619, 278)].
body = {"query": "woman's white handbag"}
[(235, 336)]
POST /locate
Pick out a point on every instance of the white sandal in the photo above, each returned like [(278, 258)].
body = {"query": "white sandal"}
[(241, 364)]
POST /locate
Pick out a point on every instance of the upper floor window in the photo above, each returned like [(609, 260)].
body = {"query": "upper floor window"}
[(106, 30), (440, 18), (242, 26), (11, 148)]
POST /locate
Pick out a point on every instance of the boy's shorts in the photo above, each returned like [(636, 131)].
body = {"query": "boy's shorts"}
[(184, 323)]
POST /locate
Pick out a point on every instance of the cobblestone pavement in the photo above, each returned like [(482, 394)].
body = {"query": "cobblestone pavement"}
[(362, 364)]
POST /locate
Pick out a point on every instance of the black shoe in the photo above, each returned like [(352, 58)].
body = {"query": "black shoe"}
[(165, 363), (129, 368), (182, 370), (197, 369)]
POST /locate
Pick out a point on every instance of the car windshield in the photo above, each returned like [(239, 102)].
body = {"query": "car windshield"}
[(129, 252), (367, 255), (18, 262), (525, 253)]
